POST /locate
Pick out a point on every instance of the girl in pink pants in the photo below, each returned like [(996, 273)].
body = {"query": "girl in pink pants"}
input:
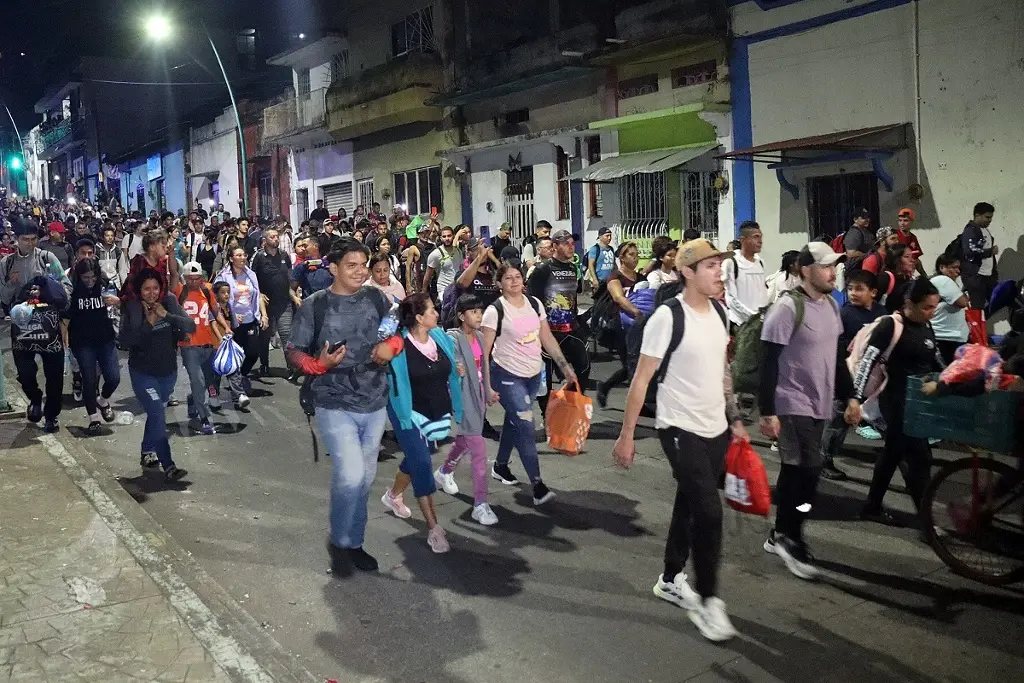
[(469, 350)]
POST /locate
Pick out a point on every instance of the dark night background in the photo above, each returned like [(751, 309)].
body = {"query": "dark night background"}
[(54, 34)]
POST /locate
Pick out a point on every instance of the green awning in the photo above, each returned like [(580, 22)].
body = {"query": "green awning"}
[(654, 161), (663, 129)]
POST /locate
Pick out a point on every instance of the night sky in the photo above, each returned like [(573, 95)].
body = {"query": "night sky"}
[(53, 34)]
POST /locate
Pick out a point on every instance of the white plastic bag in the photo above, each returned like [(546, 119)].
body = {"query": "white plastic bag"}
[(228, 358)]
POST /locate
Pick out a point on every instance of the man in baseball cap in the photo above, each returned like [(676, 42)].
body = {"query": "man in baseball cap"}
[(904, 219)]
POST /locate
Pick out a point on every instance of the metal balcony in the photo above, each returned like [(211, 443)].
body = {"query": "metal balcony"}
[(59, 139)]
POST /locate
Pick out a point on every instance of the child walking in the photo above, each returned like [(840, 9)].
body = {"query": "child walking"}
[(223, 325), (469, 435)]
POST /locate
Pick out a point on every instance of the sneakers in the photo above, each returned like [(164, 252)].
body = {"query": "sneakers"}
[(396, 505), (678, 592), (542, 494), (868, 432), (76, 386), (774, 448), (795, 557), (344, 559), (602, 395), (148, 460), (879, 515), (107, 413), (437, 541), (51, 425), (361, 560), (173, 402), (243, 402), (483, 514), (446, 482), (503, 474), (34, 412), (769, 543), (207, 428), (94, 428), (173, 473), (712, 621), (833, 473)]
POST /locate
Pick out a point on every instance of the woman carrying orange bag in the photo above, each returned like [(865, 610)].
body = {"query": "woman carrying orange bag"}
[(515, 328)]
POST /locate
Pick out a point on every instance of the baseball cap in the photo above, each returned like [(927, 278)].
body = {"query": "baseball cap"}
[(861, 213), (561, 235), (906, 213), (693, 252), (883, 233), (56, 226), (604, 231), (819, 254), (192, 268)]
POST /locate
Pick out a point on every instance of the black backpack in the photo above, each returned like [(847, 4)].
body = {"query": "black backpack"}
[(500, 308), (955, 249), (635, 337)]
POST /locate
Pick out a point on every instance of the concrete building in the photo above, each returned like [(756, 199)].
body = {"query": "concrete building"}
[(877, 103), (318, 167), (398, 60), (152, 178), (214, 175)]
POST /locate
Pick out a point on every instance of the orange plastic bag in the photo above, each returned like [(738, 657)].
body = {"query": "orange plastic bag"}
[(976, 323), (746, 481), (568, 420)]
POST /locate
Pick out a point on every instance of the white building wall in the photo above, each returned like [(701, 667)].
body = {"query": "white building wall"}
[(214, 157), (858, 73), (488, 187), (336, 162)]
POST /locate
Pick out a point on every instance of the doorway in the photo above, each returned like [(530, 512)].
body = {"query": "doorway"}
[(832, 200)]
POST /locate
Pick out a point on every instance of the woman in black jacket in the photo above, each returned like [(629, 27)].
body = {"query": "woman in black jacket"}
[(91, 338), (151, 329)]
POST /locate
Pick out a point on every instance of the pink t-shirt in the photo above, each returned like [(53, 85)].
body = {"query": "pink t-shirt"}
[(517, 349), (478, 356)]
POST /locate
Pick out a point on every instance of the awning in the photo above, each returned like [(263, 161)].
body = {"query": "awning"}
[(654, 161), (663, 129), (889, 137)]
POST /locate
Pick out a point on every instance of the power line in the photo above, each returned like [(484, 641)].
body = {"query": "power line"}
[(170, 83)]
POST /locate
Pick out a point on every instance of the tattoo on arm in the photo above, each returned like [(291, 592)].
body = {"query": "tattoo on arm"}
[(561, 362), (732, 411)]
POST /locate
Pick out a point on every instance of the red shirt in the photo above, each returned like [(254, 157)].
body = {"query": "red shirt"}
[(138, 264), (910, 240)]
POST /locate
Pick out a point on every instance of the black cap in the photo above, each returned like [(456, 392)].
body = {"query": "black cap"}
[(861, 213)]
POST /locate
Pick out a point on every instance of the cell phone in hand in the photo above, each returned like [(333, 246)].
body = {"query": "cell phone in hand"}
[(333, 348)]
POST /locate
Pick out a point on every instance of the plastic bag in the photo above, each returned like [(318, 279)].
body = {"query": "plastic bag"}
[(568, 420), (228, 358), (976, 323), (746, 481), (970, 362)]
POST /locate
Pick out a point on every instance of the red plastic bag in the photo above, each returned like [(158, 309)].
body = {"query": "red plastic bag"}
[(568, 420), (746, 481), (976, 323)]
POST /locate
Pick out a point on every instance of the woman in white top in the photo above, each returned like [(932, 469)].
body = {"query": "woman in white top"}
[(382, 278), (787, 279), (950, 321), (663, 250)]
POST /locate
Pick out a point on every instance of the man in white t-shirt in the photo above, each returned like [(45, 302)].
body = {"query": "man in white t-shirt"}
[(746, 291), (445, 261), (696, 417)]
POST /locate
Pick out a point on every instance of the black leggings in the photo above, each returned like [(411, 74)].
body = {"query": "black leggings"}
[(912, 455), (575, 351), (618, 339), (247, 336), (697, 465)]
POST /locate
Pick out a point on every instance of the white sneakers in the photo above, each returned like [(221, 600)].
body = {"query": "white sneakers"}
[(709, 616), (446, 482), (483, 514)]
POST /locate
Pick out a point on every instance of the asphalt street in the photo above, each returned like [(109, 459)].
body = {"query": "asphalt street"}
[(559, 594)]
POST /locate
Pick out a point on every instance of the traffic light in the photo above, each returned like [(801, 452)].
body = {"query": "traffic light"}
[(15, 162)]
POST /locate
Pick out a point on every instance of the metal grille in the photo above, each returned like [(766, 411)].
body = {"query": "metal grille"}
[(266, 194), (519, 203), (364, 190), (415, 33), (339, 66), (643, 198), (700, 203)]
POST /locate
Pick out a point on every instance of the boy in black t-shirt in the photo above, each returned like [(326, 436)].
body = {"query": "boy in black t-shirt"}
[(859, 310)]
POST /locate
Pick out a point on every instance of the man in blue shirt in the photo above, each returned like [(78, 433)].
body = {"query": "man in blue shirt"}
[(312, 274), (601, 258)]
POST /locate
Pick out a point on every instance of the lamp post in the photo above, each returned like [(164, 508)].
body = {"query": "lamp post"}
[(159, 30)]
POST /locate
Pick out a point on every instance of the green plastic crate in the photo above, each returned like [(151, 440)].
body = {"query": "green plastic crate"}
[(989, 421)]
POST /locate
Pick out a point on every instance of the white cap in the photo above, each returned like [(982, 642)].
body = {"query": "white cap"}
[(819, 254), (192, 268)]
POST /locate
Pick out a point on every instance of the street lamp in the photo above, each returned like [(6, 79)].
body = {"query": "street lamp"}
[(160, 29)]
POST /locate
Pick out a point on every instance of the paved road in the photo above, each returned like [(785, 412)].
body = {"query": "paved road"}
[(560, 594)]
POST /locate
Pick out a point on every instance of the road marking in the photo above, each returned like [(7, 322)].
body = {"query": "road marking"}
[(224, 649)]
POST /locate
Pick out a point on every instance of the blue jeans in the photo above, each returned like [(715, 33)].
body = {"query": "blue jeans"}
[(153, 393), (198, 364), (94, 361), (353, 440), (517, 395), (416, 462)]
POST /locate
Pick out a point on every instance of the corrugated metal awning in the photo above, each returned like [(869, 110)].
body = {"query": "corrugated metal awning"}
[(653, 161)]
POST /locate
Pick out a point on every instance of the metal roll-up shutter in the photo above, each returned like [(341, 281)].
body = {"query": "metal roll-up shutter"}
[(338, 196)]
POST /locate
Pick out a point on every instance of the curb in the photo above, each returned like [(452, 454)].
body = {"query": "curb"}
[(234, 640)]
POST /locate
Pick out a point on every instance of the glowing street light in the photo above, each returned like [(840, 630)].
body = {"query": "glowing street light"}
[(159, 29)]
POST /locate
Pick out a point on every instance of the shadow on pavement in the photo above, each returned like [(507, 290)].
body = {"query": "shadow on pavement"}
[(142, 486), (604, 510)]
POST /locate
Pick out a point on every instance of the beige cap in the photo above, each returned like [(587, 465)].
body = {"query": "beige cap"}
[(692, 252)]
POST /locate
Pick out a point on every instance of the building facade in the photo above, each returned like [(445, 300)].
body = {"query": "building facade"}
[(840, 104)]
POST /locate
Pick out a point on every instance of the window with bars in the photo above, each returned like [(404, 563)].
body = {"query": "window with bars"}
[(700, 203), (643, 199), (303, 81), (339, 66), (414, 33), (695, 74), (419, 190), (265, 194), (564, 207), (595, 207), (364, 193), (641, 85)]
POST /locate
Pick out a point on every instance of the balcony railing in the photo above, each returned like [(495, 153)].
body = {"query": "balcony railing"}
[(57, 135), (294, 116)]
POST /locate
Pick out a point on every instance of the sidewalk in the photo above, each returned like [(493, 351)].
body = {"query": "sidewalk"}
[(75, 605)]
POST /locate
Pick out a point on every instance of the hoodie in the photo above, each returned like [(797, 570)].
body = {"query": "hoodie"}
[(474, 405), (17, 270), (250, 312), (746, 291)]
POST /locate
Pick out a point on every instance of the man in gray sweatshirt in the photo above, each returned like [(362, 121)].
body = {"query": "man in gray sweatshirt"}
[(29, 261)]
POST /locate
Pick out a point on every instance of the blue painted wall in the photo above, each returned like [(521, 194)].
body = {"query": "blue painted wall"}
[(134, 172)]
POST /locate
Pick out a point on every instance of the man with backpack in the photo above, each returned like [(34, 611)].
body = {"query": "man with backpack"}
[(26, 263), (977, 251), (197, 301), (800, 374), (859, 241), (684, 352), (746, 291)]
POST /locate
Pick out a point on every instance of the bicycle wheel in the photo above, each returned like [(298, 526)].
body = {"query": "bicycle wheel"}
[(974, 520)]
